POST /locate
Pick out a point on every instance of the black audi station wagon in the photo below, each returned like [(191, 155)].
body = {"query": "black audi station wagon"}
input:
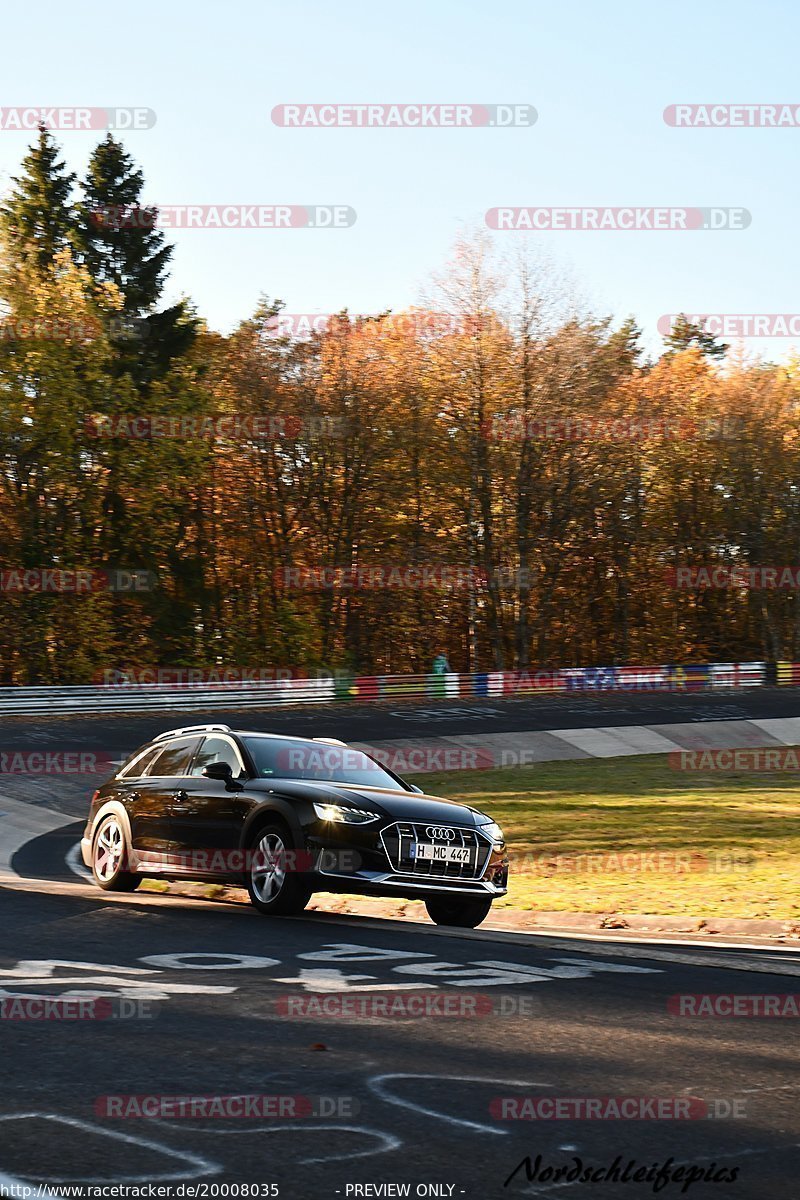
[(287, 817)]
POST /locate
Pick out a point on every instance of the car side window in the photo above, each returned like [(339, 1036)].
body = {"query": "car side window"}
[(216, 749), (138, 767), (175, 757)]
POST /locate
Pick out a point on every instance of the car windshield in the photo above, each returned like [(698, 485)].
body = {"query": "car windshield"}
[(276, 758)]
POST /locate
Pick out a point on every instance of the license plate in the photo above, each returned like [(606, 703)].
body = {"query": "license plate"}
[(430, 852)]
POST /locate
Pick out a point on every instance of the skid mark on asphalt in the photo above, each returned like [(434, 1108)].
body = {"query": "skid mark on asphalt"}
[(198, 1165), (377, 1084)]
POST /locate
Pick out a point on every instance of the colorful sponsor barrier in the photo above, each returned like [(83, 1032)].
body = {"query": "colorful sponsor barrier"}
[(737, 675), (337, 687)]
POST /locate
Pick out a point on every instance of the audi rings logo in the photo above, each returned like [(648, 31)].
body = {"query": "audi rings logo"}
[(440, 834)]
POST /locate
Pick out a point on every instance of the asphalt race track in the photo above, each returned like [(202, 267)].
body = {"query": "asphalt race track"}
[(202, 999), (411, 1098), (417, 719)]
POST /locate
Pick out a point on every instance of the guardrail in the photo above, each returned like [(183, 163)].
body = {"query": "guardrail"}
[(121, 697)]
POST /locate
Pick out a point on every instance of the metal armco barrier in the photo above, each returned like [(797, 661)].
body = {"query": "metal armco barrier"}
[(156, 697)]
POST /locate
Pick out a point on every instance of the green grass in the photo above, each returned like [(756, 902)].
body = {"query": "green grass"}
[(737, 836)]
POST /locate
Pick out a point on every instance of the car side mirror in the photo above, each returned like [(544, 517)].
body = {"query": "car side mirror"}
[(218, 770), (414, 788)]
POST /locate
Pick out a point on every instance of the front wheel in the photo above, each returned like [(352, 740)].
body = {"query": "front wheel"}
[(463, 914), (275, 885), (110, 854)]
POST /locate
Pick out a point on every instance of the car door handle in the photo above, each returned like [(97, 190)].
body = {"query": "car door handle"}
[(181, 795)]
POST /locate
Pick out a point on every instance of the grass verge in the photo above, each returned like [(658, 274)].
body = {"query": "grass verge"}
[(634, 835)]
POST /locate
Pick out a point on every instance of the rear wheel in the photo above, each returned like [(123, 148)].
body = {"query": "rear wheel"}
[(464, 914), (110, 855), (274, 883)]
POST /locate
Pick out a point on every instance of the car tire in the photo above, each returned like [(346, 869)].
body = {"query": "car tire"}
[(463, 914), (110, 854), (275, 889)]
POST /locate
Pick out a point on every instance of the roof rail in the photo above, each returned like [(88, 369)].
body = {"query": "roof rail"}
[(169, 733)]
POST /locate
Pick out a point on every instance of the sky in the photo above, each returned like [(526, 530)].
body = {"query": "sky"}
[(598, 75)]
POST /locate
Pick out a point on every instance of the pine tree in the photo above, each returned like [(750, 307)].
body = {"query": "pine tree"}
[(37, 218), (118, 243), (685, 333)]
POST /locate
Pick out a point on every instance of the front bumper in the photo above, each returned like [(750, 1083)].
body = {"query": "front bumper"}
[(384, 865)]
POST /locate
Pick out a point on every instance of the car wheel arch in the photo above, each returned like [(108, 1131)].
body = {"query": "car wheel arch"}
[(272, 811), (113, 808)]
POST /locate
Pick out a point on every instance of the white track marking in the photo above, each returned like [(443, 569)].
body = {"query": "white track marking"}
[(133, 989), (377, 1083), (200, 1166), (783, 1087), (21, 824), (127, 981), (43, 968), (596, 965), (573, 968), (472, 975), (349, 952), (390, 1142), (335, 980), (244, 962), (75, 862)]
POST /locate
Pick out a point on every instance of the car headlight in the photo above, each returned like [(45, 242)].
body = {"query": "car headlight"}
[(492, 830), (343, 814)]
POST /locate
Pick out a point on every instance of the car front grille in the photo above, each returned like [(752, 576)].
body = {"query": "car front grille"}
[(399, 838)]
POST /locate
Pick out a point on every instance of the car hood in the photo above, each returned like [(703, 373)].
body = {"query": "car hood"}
[(399, 805)]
